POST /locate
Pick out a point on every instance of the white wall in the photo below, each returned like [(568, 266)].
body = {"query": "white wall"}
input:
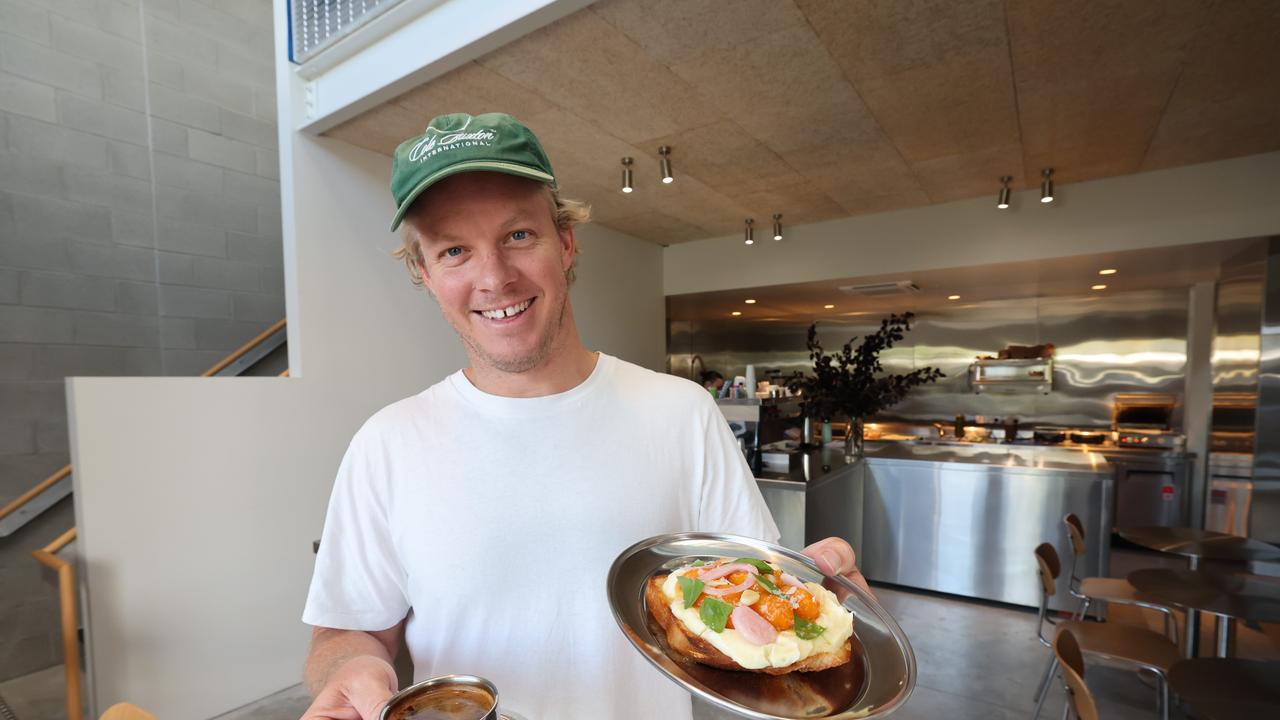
[(1198, 203), (198, 499)]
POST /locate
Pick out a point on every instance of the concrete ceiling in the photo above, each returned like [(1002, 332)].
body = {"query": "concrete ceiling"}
[(821, 109), (1135, 270)]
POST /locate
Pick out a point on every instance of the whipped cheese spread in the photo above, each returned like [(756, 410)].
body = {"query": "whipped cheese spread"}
[(786, 649)]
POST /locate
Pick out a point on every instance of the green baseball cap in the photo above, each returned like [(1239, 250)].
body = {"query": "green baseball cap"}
[(459, 143)]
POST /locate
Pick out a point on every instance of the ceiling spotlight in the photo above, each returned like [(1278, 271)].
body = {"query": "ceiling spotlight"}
[(626, 174), (736, 313), (1003, 201), (665, 152), (953, 297), (828, 307), (777, 226), (750, 301), (1098, 287), (750, 235), (1046, 186), (1108, 271)]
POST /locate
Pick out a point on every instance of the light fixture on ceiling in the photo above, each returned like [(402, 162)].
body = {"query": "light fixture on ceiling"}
[(953, 297), (736, 313), (665, 152), (749, 236), (1107, 271), (828, 307), (1098, 287), (1046, 186), (1003, 201), (750, 301), (777, 226), (626, 174)]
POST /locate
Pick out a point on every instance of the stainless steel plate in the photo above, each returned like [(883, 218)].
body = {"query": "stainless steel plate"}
[(877, 681)]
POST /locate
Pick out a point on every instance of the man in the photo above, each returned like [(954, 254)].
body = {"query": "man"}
[(492, 503), (713, 382)]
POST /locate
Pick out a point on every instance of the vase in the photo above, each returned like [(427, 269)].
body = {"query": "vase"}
[(853, 441)]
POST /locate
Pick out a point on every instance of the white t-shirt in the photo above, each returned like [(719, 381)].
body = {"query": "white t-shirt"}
[(496, 520)]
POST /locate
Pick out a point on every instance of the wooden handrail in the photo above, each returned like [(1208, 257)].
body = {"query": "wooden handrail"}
[(245, 348), (40, 487), (70, 629)]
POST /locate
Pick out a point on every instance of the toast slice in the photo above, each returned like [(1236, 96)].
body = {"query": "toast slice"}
[(689, 646)]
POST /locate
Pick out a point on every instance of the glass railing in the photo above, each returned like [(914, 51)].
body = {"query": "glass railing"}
[(315, 25)]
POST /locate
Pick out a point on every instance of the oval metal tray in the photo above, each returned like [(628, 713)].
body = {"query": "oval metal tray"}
[(878, 679)]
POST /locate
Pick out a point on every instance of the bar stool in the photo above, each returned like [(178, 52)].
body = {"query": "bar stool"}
[(1067, 650), (1111, 643), (1105, 589)]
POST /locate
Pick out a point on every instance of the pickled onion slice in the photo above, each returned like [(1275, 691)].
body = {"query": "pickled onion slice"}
[(753, 628), (791, 580), (723, 570), (728, 590)]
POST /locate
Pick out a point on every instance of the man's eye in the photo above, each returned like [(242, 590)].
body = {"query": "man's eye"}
[(520, 235), (453, 252)]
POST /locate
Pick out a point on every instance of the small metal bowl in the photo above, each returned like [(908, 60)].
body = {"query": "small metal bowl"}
[(405, 704)]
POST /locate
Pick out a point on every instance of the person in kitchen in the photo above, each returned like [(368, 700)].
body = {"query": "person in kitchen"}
[(713, 382), (493, 503)]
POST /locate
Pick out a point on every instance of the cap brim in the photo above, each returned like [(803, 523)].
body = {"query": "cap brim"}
[(470, 166)]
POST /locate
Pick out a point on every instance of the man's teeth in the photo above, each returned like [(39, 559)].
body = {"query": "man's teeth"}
[(507, 311)]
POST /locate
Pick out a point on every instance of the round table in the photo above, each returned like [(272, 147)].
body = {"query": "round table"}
[(1229, 596), (1227, 689), (1196, 545)]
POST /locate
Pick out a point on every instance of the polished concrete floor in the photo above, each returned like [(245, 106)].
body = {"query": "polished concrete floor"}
[(975, 660)]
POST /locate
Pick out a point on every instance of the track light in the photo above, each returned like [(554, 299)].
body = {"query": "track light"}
[(777, 226), (665, 152), (1003, 201), (626, 174), (750, 235), (1046, 186)]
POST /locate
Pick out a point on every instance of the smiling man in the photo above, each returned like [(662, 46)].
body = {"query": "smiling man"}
[(479, 517)]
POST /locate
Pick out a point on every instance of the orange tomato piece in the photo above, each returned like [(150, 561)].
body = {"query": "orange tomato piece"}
[(806, 605), (776, 610)]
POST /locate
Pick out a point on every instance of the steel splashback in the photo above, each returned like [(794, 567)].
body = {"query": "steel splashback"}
[(1266, 460), (1106, 344)]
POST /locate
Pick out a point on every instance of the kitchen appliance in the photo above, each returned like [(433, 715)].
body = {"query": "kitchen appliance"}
[(1230, 493), (1145, 420), (1150, 488), (1232, 423)]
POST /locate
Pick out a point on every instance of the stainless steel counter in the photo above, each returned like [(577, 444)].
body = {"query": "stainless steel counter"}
[(956, 519)]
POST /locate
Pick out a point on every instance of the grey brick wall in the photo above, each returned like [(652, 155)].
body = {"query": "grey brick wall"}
[(139, 228)]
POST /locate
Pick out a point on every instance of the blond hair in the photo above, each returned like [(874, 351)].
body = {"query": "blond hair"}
[(568, 213)]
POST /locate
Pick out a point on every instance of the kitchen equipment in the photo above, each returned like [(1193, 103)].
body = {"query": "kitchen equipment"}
[(1025, 375), (452, 697), (1150, 488), (1241, 502), (879, 678), (1233, 421), (1145, 420)]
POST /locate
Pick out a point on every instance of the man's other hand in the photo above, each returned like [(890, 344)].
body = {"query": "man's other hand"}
[(834, 556), (357, 691)]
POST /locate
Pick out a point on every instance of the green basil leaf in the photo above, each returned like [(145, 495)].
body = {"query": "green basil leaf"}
[(715, 613), (806, 630), (760, 565), (691, 587), (768, 585)]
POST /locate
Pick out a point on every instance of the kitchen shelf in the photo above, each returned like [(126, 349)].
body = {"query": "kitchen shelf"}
[(1023, 375)]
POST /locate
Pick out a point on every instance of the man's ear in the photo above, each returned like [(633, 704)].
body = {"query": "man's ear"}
[(568, 248)]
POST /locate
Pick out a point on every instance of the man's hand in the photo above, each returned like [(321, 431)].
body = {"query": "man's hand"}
[(356, 691), (834, 556)]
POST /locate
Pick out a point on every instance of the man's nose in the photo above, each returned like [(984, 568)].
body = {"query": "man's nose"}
[(496, 271)]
